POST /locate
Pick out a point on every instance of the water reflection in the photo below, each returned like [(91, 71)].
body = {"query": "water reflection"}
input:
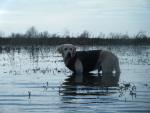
[(90, 84)]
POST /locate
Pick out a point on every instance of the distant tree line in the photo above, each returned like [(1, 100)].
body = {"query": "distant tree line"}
[(33, 33), (33, 37)]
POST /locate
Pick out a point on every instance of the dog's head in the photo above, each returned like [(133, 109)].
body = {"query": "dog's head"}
[(67, 50)]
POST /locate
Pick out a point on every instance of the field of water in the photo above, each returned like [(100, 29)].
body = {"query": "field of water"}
[(35, 80)]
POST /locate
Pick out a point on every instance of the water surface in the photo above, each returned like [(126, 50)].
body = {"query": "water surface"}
[(34, 79)]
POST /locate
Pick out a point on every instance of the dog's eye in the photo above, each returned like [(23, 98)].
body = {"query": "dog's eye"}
[(65, 49)]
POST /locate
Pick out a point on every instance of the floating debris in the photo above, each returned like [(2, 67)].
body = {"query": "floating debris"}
[(129, 88), (29, 94), (45, 86), (146, 85)]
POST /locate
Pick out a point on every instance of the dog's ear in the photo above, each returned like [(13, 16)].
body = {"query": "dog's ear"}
[(76, 48), (60, 49)]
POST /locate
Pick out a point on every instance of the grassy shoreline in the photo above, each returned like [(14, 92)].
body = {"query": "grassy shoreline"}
[(76, 41)]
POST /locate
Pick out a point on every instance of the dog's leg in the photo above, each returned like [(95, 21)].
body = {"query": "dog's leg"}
[(78, 67), (106, 67), (108, 64), (116, 66), (99, 70)]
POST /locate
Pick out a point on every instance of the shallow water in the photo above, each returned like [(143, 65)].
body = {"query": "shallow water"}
[(34, 79)]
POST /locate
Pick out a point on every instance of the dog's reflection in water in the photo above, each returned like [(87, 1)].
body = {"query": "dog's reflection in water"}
[(90, 84)]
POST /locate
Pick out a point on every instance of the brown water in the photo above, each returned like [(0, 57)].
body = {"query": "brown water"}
[(35, 80)]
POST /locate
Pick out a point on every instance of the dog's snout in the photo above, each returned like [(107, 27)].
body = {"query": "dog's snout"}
[(69, 55)]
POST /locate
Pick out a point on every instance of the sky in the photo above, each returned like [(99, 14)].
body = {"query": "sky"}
[(75, 16)]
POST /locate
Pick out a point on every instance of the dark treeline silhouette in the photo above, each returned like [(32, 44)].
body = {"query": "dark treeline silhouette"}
[(33, 37)]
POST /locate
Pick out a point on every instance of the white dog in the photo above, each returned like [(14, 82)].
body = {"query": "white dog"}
[(81, 62)]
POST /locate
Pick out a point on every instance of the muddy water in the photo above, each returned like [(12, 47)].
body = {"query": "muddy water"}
[(34, 79)]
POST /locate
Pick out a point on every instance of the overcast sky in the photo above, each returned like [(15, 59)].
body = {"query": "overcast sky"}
[(59, 16)]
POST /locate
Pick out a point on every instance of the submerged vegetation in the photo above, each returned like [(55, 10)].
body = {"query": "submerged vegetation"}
[(33, 37)]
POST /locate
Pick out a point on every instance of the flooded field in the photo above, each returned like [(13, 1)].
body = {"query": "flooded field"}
[(35, 80)]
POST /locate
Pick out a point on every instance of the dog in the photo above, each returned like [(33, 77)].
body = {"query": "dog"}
[(82, 62)]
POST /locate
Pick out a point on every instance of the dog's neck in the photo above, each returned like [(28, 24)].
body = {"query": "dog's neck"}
[(67, 60)]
